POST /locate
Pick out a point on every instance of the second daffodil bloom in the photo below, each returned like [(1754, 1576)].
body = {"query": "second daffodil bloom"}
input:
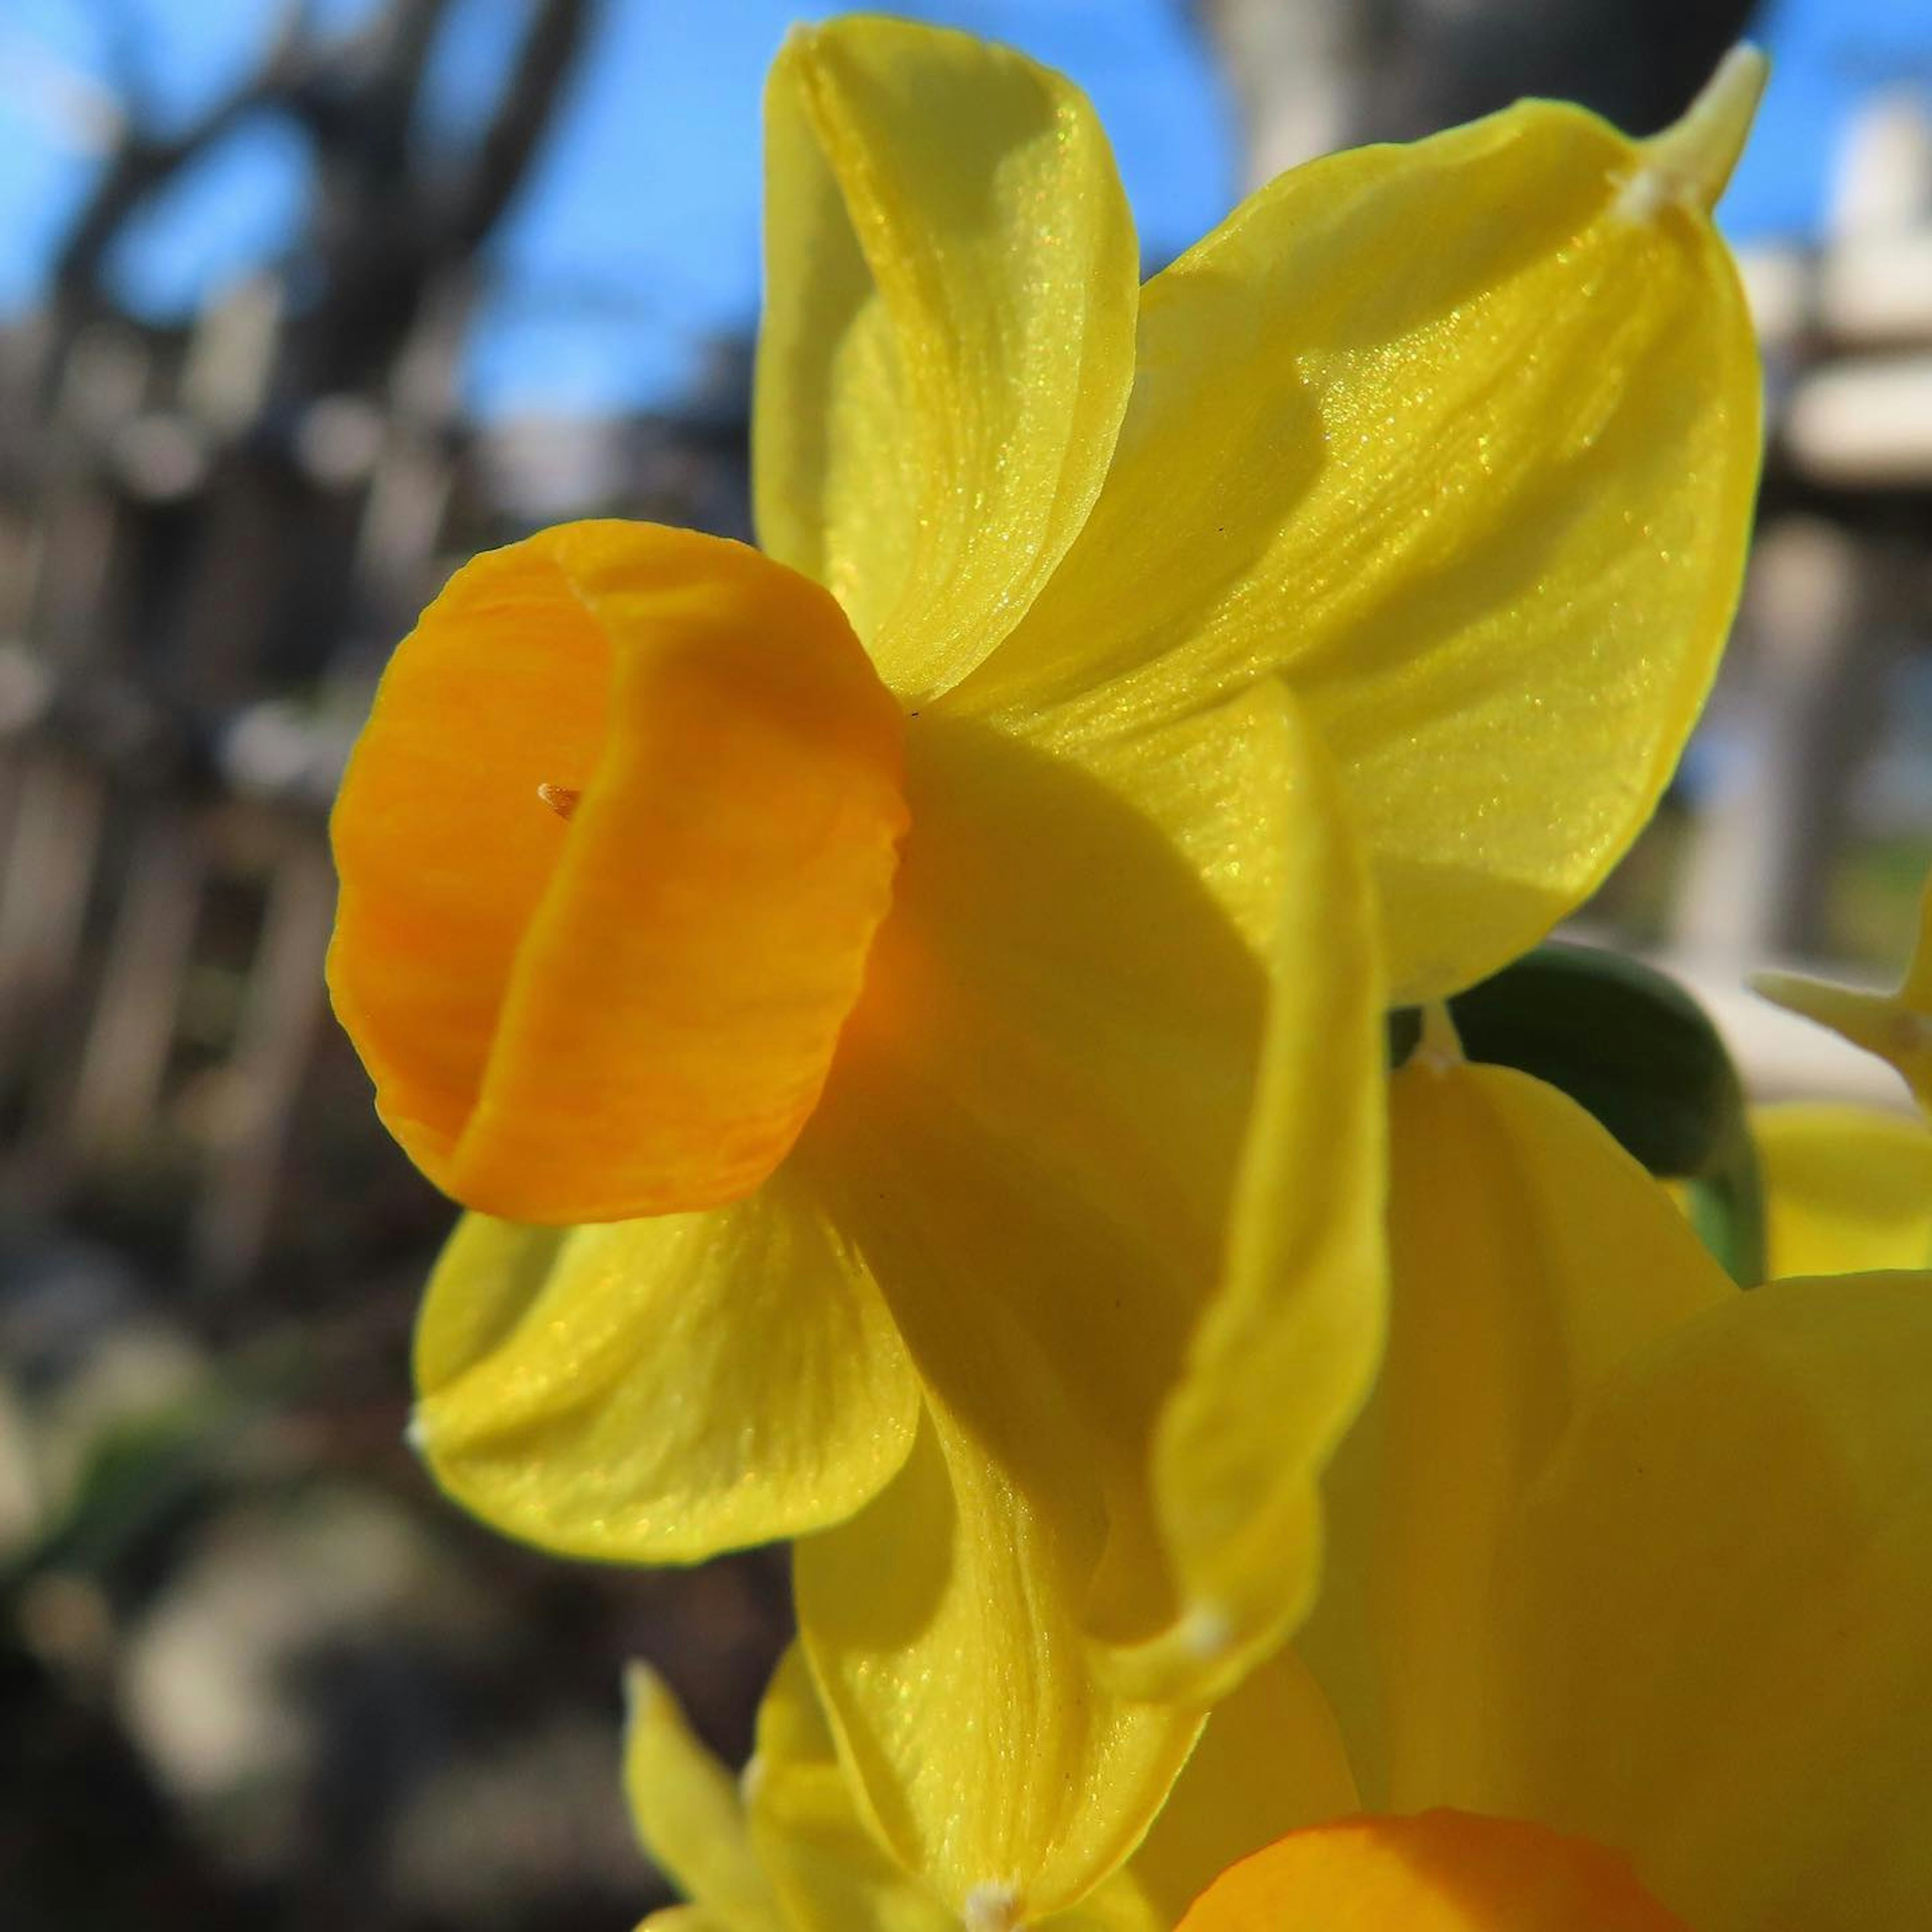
[(942, 958), (1627, 1584)]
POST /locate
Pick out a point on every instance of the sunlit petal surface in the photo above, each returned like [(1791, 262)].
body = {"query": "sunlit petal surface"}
[(685, 1806), (1281, 1356), (796, 1815), (1462, 438), (948, 336), (819, 1856), (658, 1391), (962, 1693)]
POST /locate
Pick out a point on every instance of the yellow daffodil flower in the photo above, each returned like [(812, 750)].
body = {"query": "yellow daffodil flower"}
[(938, 957), (784, 1847), (1620, 1552)]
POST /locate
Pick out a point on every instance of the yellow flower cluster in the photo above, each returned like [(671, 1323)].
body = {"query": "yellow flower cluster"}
[(906, 1008)]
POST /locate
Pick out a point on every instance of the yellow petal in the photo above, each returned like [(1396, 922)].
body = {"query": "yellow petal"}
[(1711, 1645), (792, 1732), (1530, 1256), (817, 1855), (951, 276), (632, 1012), (943, 1624), (1245, 1783), (1460, 438), (684, 1805), (658, 1391), (1041, 1133), (831, 1872), (1847, 1189), (1445, 1871)]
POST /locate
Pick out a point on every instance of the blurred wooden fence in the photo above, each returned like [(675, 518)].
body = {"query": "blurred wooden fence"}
[(210, 536), (198, 586)]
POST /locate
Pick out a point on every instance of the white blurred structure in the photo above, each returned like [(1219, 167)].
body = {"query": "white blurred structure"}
[(1859, 411), (1838, 595)]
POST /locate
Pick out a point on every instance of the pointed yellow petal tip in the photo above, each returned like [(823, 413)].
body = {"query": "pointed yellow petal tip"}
[(1879, 1022), (1690, 162), (1883, 1023), (643, 1690)]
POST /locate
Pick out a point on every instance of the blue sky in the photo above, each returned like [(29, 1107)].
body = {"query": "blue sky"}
[(1826, 56), (637, 239)]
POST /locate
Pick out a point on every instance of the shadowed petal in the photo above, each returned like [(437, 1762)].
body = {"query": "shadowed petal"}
[(1530, 1256), (1064, 1132), (1270, 1760), (1710, 1645)]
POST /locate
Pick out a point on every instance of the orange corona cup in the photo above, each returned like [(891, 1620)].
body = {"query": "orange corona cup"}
[(613, 846), (1442, 1871)]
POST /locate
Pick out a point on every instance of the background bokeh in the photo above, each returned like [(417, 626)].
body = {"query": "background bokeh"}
[(299, 305)]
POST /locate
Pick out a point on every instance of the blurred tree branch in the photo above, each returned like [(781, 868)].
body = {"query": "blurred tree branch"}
[(503, 157), (386, 219), (141, 162), (123, 51)]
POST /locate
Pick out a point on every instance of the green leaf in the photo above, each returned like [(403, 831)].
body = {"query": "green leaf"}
[(1633, 1049)]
